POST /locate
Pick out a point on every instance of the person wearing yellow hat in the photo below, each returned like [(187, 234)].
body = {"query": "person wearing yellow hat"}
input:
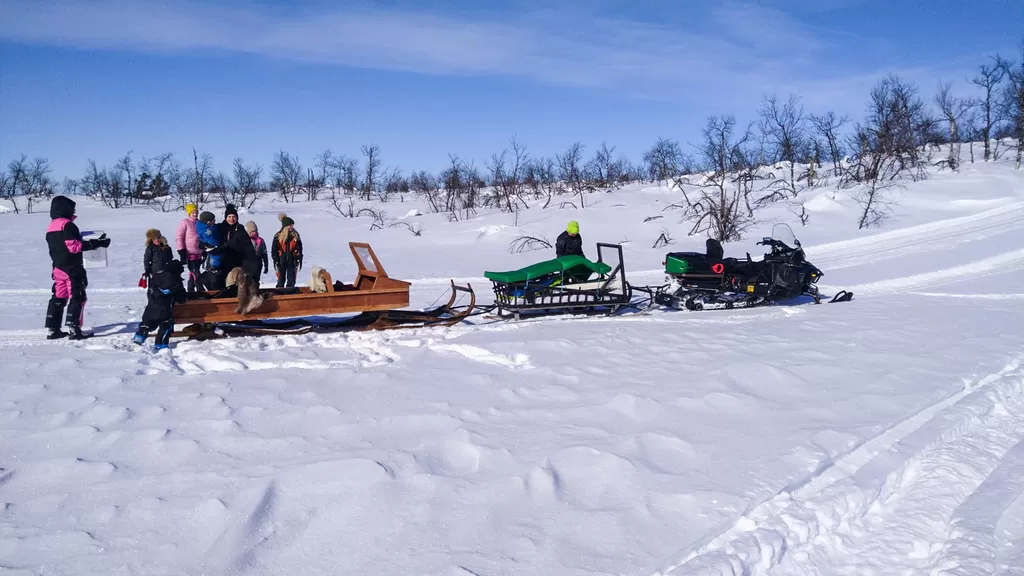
[(570, 242), (187, 243)]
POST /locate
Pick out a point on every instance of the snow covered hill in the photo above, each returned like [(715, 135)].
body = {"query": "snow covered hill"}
[(880, 436)]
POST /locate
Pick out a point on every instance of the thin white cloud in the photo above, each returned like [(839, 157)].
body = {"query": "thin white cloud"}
[(741, 46)]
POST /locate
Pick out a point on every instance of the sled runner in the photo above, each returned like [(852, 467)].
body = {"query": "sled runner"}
[(700, 281), (373, 295), (564, 284)]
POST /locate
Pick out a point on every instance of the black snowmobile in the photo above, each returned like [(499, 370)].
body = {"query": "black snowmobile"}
[(710, 281)]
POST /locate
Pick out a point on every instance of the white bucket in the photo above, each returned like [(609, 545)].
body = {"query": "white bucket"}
[(94, 258)]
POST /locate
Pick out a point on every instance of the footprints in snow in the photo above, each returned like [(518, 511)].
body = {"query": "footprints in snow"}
[(354, 350)]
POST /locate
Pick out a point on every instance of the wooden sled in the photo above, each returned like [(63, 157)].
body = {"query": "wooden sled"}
[(375, 297)]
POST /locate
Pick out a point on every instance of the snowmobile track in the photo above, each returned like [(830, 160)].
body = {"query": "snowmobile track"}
[(874, 480)]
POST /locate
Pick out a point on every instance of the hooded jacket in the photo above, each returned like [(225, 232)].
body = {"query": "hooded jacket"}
[(63, 238), (208, 238), (187, 238), (158, 257)]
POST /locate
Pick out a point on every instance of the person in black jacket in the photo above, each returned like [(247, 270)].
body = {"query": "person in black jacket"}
[(157, 255), (569, 242), (287, 252), (69, 278), (226, 231), (166, 289), (240, 251)]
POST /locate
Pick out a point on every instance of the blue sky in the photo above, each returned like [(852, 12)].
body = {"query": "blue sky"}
[(83, 79)]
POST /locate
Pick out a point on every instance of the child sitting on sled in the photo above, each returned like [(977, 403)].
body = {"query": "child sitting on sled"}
[(165, 289)]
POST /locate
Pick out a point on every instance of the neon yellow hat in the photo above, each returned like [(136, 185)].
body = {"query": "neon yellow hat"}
[(573, 227), (190, 208)]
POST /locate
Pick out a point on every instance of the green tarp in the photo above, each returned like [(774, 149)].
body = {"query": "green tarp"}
[(575, 266)]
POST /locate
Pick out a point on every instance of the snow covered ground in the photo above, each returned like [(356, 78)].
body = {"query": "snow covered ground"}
[(880, 436)]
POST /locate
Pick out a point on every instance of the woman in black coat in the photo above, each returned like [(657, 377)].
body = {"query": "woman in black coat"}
[(240, 251)]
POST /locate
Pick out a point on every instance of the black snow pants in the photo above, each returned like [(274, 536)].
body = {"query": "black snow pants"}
[(158, 316), (67, 287), (286, 276)]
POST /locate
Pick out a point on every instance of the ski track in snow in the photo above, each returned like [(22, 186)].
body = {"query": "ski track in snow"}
[(931, 490), (931, 237)]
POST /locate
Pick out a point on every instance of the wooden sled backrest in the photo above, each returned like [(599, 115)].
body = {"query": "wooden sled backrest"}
[(369, 266), (328, 281)]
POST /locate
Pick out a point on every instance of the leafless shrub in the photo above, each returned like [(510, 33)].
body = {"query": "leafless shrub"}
[(800, 213), (524, 243), (664, 239), (875, 206), (415, 230), (378, 217), (721, 209)]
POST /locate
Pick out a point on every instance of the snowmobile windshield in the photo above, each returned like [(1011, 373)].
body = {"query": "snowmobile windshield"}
[(783, 233)]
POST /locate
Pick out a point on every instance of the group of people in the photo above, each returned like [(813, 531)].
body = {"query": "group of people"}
[(220, 247), (201, 242)]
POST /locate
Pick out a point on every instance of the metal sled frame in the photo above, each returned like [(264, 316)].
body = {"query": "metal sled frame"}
[(373, 294), (611, 292)]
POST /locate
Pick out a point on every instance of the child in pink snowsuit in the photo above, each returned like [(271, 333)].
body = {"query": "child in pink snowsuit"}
[(187, 243)]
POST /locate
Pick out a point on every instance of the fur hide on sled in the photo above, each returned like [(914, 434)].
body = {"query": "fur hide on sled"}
[(249, 297), (316, 280)]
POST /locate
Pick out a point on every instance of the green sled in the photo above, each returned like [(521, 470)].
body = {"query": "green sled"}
[(577, 268)]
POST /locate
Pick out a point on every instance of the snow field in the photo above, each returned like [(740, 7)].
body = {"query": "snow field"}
[(883, 435)]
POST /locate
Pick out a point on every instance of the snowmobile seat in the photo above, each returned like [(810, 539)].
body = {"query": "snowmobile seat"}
[(688, 263), (714, 250)]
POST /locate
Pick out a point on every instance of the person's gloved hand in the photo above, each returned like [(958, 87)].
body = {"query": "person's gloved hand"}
[(183, 255), (101, 242)]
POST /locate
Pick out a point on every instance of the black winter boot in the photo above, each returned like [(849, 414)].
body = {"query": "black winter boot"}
[(77, 333), (55, 334)]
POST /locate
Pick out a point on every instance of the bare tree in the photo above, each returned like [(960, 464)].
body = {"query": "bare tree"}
[(462, 184), (828, 126), (285, 175), (324, 162), (345, 175), (953, 110), (15, 181), (889, 142), (372, 171), (125, 166), (7, 190), (392, 183), (783, 127), (604, 170), (246, 185), (30, 181), (666, 160), (1012, 102), (988, 79), (721, 209), (104, 185), (570, 169)]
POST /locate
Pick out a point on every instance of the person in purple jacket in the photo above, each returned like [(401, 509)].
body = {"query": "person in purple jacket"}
[(69, 279)]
